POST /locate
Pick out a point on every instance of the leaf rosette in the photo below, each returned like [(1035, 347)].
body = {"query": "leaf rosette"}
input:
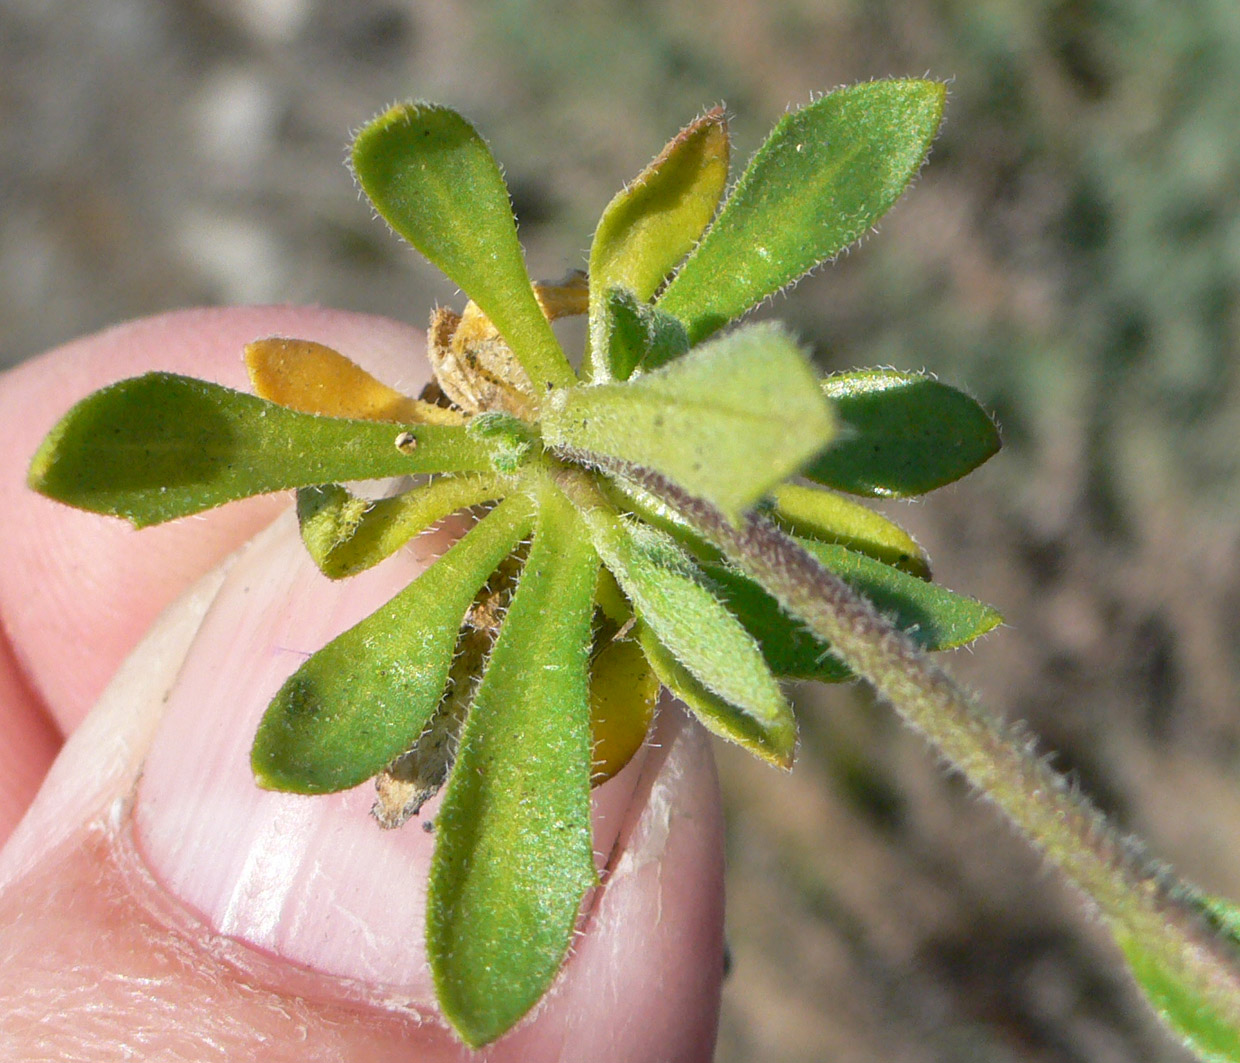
[(524, 665)]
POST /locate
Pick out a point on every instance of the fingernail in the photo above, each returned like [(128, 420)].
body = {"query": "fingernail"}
[(310, 880)]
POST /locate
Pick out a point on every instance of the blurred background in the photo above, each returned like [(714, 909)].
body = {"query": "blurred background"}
[(1071, 256)]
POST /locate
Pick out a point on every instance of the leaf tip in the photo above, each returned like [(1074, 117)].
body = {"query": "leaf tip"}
[(262, 765), (783, 751), (991, 618), (40, 464)]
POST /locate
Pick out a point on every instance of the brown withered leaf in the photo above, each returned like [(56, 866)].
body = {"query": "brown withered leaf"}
[(474, 365)]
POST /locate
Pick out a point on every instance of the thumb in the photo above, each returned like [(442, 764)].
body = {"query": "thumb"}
[(187, 914), (155, 904)]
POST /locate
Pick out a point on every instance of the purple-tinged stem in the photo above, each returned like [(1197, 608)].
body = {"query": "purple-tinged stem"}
[(1147, 909)]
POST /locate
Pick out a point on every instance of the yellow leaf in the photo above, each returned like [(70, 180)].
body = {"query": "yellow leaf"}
[(832, 518), (563, 298), (313, 378), (623, 692)]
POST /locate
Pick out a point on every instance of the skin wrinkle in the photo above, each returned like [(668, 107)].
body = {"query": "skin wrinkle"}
[(363, 929), (665, 757), (80, 1005)]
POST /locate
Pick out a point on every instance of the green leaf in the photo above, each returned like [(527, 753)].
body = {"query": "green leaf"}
[(623, 694), (726, 422), (432, 177), (509, 438), (1198, 1002), (790, 650), (718, 715), (670, 595), (623, 335), (1203, 1023), (825, 175), (638, 336), (363, 699), (161, 446), (630, 497), (346, 535), (938, 619), (1220, 915), (654, 222), (935, 617), (832, 518), (514, 856), (901, 434), (666, 339)]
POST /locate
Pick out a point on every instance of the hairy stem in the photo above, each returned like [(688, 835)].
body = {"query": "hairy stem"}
[(1138, 897)]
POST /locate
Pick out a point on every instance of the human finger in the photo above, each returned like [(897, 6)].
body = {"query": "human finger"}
[(215, 920)]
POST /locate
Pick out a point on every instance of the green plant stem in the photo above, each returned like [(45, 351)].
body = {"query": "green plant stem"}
[(1138, 897)]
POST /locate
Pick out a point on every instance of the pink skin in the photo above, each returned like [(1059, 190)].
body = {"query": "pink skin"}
[(191, 916)]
